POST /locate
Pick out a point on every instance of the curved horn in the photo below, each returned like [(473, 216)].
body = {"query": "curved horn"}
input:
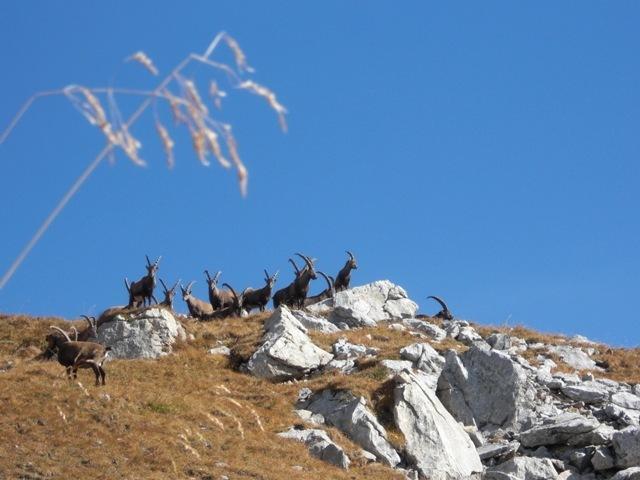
[(233, 292), (307, 260), (61, 331), (188, 289), (164, 286), (217, 275), (88, 320), (148, 261), (126, 284), (440, 301), (206, 272), (327, 279), (295, 267), (350, 254), (175, 285), (75, 333), (266, 274)]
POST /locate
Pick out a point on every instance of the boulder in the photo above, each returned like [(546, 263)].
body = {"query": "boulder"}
[(350, 414), (626, 400), (575, 357), (494, 388), (286, 351), (343, 350), (626, 445), (588, 392), (436, 445), (369, 304), (602, 459), (320, 445), (425, 359), (313, 322), (499, 341), (558, 430), (523, 468), (148, 333), (632, 473), (432, 331), (498, 450)]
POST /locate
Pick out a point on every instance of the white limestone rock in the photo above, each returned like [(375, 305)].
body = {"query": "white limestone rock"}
[(319, 445), (523, 468)]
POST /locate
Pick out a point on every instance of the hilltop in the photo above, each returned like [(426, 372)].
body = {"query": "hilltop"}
[(209, 412)]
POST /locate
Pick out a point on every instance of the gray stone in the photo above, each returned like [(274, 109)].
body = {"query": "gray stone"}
[(424, 357), (601, 435), (626, 400), (309, 416), (396, 366), (436, 444), (523, 468), (369, 304), (320, 445), (148, 333), (499, 341), (625, 416), (350, 414), (493, 450), (452, 381), (343, 350), (632, 473), (588, 392), (345, 366), (286, 351), (313, 322), (575, 357), (469, 337), (221, 350), (558, 430), (626, 445), (602, 459), (432, 331)]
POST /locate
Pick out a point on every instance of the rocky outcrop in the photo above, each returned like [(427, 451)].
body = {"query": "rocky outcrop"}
[(320, 445), (558, 430), (313, 322), (148, 333), (286, 351), (523, 468), (350, 414), (367, 305), (436, 445), (626, 444)]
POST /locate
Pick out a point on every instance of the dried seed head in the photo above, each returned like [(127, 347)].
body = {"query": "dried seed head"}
[(194, 97), (270, 97), (243, 175), (131, 145), (214, 147), (176, 111), (240, 57), (145, 61), (198, 139), (167, 143), (216, 94)]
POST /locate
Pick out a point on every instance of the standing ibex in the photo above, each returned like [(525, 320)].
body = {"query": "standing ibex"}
[(344, 275), (328, 292), (444, 314), (143, 288), (73, 355), (218, 298), (197, 308), (302, 281), (169, 294), (259, 298)]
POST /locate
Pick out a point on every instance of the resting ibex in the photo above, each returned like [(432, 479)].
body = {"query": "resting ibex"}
[(169, 294), (197, 308), (260, 297), (328, 292), (218, 298), (74, 355), (90, 332), (344, 275), (234, 310), (143, 288), (444, 314)]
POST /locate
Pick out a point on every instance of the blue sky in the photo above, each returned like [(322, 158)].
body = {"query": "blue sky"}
[(486, 152)]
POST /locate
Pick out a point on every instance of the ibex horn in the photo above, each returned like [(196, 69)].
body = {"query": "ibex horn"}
[(61, 331), (232, 290), (440, 301), (148, 261), (327, 279), (188, 290), (164, 286), (295, 267), (350, 254)]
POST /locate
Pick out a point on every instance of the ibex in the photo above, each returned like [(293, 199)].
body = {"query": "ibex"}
[(197, 308), (169, 294), (344, 275), (233, 310), (296, 290), (218, 298), (328, 292), (143, 288), (90, 332), (444, 314), (259, 298), (74, 355)]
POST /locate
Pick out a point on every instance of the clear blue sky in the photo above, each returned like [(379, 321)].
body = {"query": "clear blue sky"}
[(486, 152)]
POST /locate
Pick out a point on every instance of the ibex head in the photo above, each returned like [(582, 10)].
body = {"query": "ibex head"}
[(186, 292), (445, 314), (169, 293), (270, 280), (309, 267), (152, 268), (92, 325), (212, 282), (352, 261)]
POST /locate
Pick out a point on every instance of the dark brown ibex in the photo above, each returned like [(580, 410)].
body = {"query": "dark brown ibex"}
[(234, 310), (302, 281), (444, 314), (259, 298), (197, 308), (328, 292), (143, 288), (217, 297), (74, 355), (90, 332), (344, 275), (285, 295), (169, 294)]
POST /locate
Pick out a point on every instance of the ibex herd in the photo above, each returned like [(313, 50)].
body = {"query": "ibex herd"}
[(223, 303)]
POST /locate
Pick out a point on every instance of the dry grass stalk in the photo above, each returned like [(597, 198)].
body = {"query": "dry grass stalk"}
[(240, 57), (271, 99), (216, 94), (145, 61), (167, 143)]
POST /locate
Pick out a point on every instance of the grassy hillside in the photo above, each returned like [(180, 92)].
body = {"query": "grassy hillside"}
[(187, 415)]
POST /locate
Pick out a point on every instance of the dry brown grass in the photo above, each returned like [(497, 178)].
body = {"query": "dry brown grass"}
[(188, 415)]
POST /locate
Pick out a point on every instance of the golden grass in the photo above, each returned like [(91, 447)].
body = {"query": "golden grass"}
[(187, 415)]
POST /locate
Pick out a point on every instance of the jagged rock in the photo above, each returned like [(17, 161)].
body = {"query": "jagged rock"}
[(632, 473), (625, 416), (601, 435), (286, 352), (499, 341), (432, 331), (369, 304), (312, 322), (350, 414), (575, 357), (320, 445), (148, 333), (558, 430), (396, 366), (502, 450), (435, 443), (602, 459), (588, 392), (310, 417), (425, 359), (626, 400), (568, 378), (626, 445), (572, 475), (470, 337), (494, 388), (523, 468), (347, 366), (343, 350)]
